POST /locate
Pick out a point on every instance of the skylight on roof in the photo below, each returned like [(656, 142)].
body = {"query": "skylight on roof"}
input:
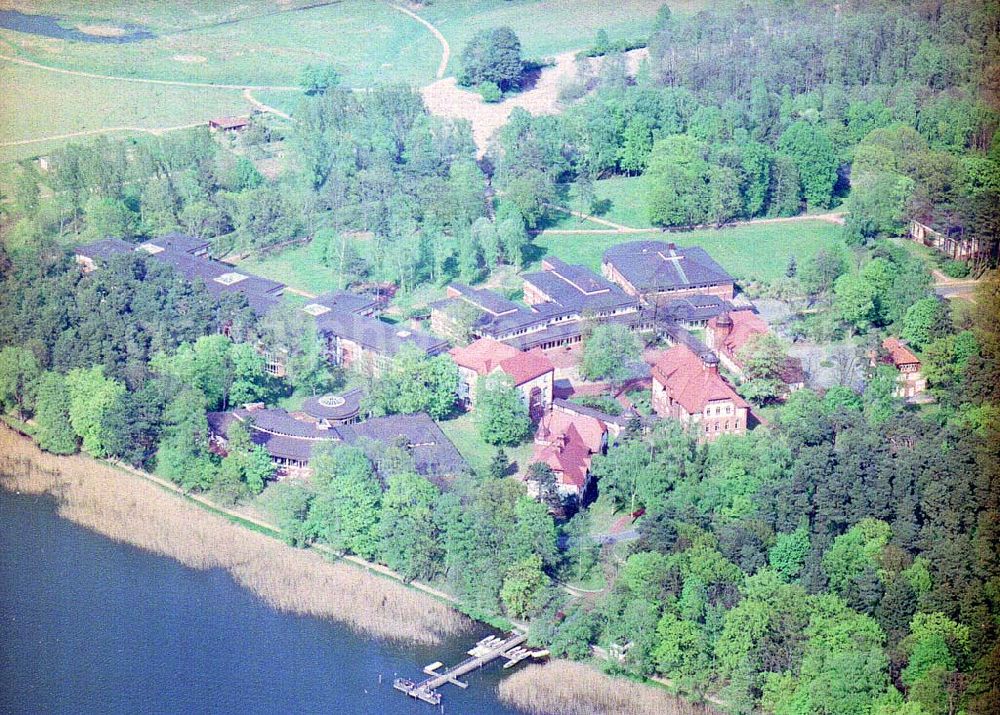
[(228, 279), (315, 309), (151, 248)]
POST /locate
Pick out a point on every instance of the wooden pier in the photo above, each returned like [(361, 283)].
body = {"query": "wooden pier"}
[(485, 651)]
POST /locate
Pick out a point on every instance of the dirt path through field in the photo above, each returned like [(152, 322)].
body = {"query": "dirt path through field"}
[(836, 217), (143, 80), (90, 132), (266, 108), (445, 47)]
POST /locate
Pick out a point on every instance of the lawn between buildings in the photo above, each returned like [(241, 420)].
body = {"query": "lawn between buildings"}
[(464, 434)]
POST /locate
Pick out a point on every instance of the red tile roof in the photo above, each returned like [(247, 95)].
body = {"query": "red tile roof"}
[(566, 441), (745, 324), (483, 356), (691, 382), (568, 458), (589, 430), (900, 354), (526, 366), (487, 355)]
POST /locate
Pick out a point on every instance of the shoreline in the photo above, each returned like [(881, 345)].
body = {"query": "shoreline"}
[(149, 513), (127, 508)]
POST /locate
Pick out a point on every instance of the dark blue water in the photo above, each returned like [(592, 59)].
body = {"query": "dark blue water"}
[(88, 625), (49, 26)]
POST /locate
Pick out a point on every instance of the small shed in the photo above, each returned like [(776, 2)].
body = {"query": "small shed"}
[(229, 124)]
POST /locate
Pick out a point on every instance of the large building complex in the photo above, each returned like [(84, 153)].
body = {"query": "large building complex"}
[(189, 257)]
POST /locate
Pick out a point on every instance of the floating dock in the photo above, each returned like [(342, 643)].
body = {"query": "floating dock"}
[(485, 651)]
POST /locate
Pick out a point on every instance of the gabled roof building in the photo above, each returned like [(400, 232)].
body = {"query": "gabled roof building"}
[(687, 387), (567, 440), (729, 333), (291, 437), (656, 271), (911, 381), (531, 372)]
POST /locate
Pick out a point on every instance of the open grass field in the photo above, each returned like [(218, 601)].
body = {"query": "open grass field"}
[(749, 252), (264, 43), (29, 96), (621, 196), (256, 42)]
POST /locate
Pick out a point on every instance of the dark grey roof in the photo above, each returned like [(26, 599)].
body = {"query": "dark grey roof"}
[(694, 308), (576, 289), (175, 250), (680, 335), (377, 335), (657, 266), (222, 279), (570, 329), (286, 437), (342, 301), (432, 452), (486, 300), (181, 242), (105, 249), (344, 406)]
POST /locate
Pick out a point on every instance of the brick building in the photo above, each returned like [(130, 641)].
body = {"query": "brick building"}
[(911, 380), (687, 387), (531, 372)]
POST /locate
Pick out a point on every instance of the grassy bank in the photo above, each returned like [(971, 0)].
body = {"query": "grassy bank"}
[(565, 688), (128, 509)]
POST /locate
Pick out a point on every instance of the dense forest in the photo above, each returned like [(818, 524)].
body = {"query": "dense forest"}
[(843, 558)]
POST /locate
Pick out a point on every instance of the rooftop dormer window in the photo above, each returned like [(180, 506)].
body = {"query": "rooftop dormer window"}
[(228, 279), (315, 309)]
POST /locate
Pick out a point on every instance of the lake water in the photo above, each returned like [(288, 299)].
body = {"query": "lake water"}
[(51, 26), (88, 625)]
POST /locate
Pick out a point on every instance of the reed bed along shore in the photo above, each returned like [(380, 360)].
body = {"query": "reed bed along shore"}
[(562, 687), (129, 509)]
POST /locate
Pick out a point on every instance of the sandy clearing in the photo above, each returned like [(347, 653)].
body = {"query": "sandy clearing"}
[(446, 99), (102, 30), (189, 58)]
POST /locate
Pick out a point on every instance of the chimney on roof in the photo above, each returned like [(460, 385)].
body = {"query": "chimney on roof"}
[(671, 246), (710, 363)]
